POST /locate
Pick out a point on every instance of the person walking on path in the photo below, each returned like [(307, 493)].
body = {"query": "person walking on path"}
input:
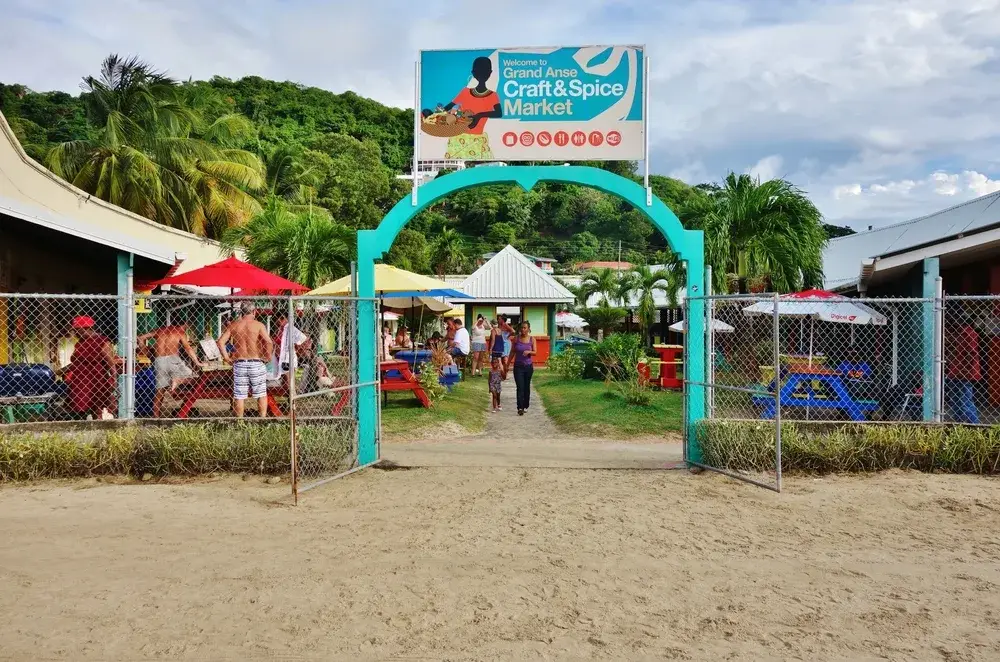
[(500, 337), (496, 383), (252, 348), (521, 352), (169, 366), (480, 333)]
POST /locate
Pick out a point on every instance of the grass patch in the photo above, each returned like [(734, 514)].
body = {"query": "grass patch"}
[(178, 450), (404, 417), (749, 446), (587, 407)]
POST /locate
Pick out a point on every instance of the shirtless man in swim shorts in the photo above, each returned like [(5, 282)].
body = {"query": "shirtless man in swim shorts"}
[(252, 348), (171, 370)]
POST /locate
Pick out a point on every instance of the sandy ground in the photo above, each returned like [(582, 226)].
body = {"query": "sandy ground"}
[(502, 563)]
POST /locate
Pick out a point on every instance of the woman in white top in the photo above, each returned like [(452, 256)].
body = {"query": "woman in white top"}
[(480, 334)]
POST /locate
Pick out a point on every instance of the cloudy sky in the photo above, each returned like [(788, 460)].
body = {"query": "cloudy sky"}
[(881, 109)]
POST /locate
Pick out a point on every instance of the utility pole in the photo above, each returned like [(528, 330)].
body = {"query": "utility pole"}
[(619, 255)]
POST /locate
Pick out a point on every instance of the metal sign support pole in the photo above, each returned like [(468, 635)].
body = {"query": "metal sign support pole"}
[(645, 127), (416, 134)]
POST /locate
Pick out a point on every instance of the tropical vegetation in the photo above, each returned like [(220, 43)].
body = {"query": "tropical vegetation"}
[(253, 161)]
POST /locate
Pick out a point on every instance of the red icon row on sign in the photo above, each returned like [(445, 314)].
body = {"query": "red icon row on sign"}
[(562, 138)]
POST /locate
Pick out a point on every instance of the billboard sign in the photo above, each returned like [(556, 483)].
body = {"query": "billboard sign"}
[(532, 104)]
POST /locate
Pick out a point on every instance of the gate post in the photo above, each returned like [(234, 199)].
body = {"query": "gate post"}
[(365, 340), (694, 371)]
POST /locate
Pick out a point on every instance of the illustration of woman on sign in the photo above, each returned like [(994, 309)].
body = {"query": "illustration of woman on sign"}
[(480, 103)]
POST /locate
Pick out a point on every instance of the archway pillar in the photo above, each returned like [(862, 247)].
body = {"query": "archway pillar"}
[(373, 244)]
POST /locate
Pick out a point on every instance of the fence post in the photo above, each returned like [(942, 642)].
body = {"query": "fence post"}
[(710, 353), (133, 347), (931, 273), (292, 365), (694, 371), (776, 340), (938, 392), (124, 338)]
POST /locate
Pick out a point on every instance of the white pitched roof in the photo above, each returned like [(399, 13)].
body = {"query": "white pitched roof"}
[(510, 277)]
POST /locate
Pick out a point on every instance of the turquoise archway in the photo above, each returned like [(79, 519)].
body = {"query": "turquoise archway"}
[(373, 244)]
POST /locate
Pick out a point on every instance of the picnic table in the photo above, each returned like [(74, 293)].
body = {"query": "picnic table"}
[(669, 360), (215, 382), (396, 375), (30, 406), (414, 357), (817, 387)]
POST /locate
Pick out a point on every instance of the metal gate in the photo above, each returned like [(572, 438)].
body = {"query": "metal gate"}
[(323, 391), (740, 435)]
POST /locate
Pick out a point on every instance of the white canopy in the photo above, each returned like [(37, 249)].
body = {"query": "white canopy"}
[(717, 325)]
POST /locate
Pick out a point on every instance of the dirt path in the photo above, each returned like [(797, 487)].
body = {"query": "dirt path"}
[(530, 441), (505, 564)]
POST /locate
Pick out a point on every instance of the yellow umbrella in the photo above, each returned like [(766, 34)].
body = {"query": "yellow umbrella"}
[(387, 279), (457, 311), (429, 304)]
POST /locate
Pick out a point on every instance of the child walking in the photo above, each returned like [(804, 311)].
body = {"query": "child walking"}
[(496, 382)]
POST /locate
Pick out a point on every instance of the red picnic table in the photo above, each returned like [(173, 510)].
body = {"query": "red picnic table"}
[(402, 380), (215, 382), (669, 360)]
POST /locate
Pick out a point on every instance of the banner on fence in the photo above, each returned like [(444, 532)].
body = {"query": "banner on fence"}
[(527, 104)]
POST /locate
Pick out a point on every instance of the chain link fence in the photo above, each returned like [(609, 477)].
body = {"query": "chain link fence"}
[(172, 357), (789, 359), (970, 353), (62, 357)]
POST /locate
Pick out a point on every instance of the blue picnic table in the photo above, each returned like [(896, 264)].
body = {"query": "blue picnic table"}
[(814, 388), (414, 357)]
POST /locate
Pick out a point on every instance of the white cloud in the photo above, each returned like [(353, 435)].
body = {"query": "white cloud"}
[(767, 168), (905, 198), (840, 97)]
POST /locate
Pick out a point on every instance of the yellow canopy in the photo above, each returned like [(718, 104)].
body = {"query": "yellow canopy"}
[(387, 279), (430, 304), (457, 311)]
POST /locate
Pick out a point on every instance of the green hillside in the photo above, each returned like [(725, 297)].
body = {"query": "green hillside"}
[(300, 157)]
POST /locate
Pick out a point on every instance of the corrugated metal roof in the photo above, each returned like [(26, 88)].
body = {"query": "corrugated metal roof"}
[(511, 277), (842, 257)]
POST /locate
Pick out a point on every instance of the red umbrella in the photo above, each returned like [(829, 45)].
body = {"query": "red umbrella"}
[(235, 274)]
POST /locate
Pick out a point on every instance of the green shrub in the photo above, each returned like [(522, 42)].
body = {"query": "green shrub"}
[(591, 364), (567, 364), (182, 450), (618, 355), (749, 446), (430, 382)]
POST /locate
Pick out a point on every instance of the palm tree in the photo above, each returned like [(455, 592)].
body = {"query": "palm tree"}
[(156, 156), (602, 317), (308, 248), (645, 283), (448, 251), (605, 282), (580, 294), (760, 233)]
